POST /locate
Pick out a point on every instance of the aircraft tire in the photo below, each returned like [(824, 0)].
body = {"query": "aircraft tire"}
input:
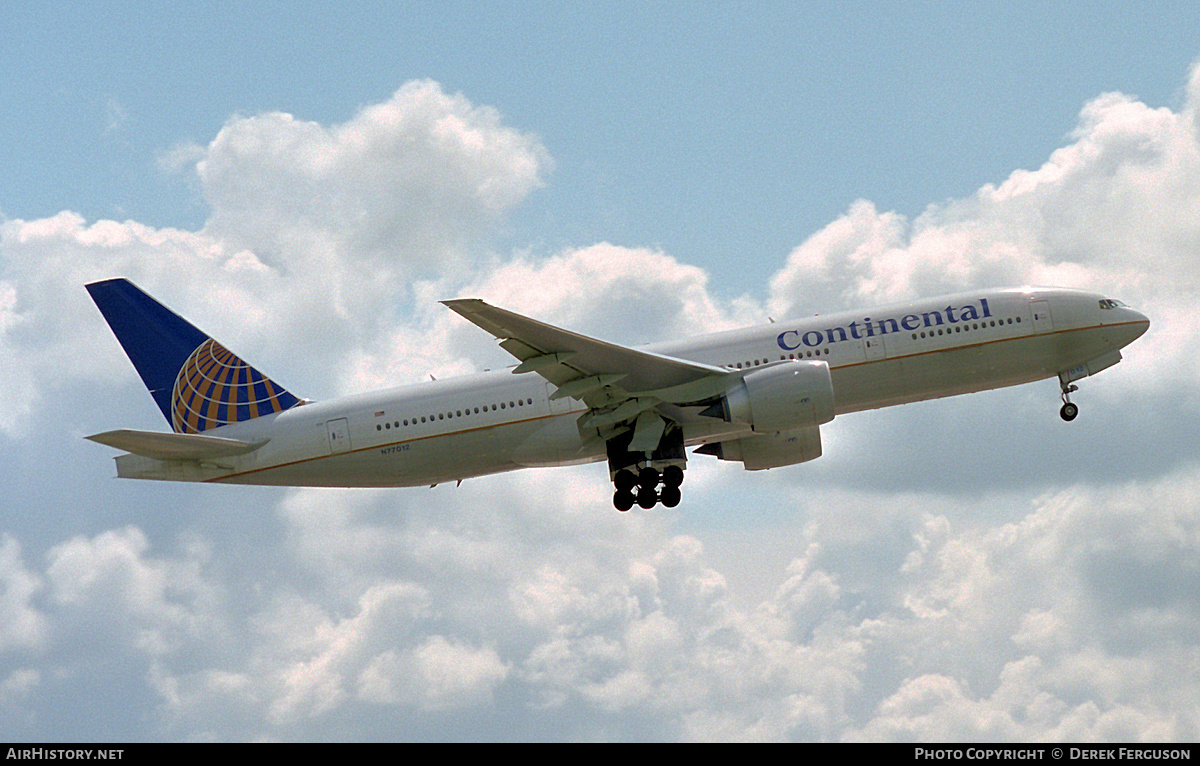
[(1069, 411), (670, 496), (647, 498), (622, 500), (625, 480), (648, 478), (672, 476)]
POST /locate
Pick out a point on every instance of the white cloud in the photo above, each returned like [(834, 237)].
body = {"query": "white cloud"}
[(1117, 209), (21, 623), (404, 185), (437, 675), (109, 586)]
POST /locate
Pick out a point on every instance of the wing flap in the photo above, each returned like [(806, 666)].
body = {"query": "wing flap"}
[(171, 446)]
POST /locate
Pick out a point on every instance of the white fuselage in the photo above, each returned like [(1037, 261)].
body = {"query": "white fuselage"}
[(448, 430)]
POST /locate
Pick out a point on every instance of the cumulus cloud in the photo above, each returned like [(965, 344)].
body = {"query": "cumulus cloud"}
[(314, 233), (918, 591), (406, 184), (21, 623), (1050, 627), (1115, 209)]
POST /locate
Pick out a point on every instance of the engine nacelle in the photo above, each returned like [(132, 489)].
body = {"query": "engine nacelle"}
[(780, 398), (763, 451)]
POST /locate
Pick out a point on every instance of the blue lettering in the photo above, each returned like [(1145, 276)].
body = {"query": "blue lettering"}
[(790, 340)]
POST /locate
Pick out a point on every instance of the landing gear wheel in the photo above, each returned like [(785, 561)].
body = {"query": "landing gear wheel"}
[(1069, 410), (648, 478), (625, 480), (647, 497), (623, 500), (672, 476), (670, 496)]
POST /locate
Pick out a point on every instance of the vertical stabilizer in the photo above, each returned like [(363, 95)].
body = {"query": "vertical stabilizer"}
[(195, 381)]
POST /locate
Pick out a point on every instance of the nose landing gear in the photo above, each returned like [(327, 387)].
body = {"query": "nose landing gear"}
[(1069, 409)]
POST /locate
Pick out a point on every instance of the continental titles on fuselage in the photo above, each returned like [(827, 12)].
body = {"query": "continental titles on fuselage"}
[(790, 340)]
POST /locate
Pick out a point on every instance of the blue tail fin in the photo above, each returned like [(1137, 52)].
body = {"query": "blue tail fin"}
[(195, 381)]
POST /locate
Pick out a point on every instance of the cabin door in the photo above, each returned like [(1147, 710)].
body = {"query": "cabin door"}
[(1042, 320), (873, 348), (339, 435)]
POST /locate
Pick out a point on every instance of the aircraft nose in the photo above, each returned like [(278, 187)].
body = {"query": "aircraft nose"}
[(1141, 321), (1135, 325)]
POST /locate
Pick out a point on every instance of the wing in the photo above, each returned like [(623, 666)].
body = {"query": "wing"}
[(171, 446), (601, 374)]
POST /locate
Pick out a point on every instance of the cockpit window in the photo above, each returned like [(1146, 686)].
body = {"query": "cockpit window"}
[(1109, 303)]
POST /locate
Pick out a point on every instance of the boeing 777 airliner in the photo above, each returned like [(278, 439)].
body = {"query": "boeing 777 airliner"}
[(757, 396)]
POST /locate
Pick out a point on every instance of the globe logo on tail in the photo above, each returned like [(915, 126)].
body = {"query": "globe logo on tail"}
[(215, 388)]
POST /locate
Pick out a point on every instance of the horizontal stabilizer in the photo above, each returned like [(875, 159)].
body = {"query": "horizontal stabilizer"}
[(168, 446)]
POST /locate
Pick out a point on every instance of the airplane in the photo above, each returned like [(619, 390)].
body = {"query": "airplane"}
[(757, 396)]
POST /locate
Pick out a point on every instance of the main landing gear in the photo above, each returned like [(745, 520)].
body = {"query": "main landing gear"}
[(1069, 409), (642, 487), (647, 478)]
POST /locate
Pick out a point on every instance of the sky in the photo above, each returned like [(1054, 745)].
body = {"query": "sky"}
[(305, 182)]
